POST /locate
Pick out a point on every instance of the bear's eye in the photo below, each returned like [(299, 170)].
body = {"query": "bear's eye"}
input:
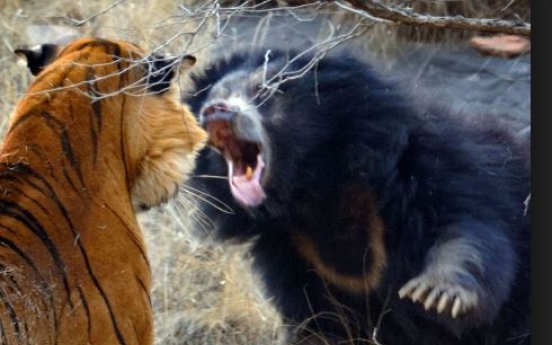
[(255, 88)]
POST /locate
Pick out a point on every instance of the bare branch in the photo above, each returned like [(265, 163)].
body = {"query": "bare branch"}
[(406, 16), (84, 21), (271, 85), (74, 22)]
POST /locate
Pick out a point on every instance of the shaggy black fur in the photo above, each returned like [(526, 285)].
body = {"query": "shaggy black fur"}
[(367, 196)]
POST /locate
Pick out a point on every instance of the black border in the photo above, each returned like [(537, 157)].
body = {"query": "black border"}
[(541, 157)]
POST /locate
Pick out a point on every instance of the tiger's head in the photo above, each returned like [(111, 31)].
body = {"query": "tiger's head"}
[(133, 111)]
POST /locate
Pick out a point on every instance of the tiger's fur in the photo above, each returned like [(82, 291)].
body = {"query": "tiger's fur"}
[(96, 135)]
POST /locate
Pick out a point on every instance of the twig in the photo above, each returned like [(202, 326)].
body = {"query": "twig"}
[(375, 8), (362, 13), (321, 49), (78, 23), (72, 21)]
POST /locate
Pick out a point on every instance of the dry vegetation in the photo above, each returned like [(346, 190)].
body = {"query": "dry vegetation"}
[(204, 293)]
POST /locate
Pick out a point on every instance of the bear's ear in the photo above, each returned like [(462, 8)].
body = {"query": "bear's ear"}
[(162, 70), (38, 57)]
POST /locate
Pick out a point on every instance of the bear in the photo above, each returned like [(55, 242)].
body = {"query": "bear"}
[(372, 219)]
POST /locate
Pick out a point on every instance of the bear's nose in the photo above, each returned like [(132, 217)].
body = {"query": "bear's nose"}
[(217, 111)]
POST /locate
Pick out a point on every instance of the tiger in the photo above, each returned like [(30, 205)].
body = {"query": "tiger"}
[(99, 136)]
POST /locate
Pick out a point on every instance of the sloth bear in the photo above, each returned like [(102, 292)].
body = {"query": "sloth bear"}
[(372, 220)]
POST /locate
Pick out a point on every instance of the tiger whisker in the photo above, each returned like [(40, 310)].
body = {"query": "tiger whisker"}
[(207, 198)]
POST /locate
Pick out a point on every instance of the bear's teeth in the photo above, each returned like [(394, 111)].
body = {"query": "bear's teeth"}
[(248, 173)]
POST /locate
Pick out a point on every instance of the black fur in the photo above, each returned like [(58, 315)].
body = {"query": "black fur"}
[(38, 57), (162, 69), (354, 171)]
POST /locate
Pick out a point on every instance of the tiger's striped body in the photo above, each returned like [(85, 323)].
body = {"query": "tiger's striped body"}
[(73, 265)]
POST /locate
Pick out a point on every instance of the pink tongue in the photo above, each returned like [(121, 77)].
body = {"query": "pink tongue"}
[(247, 191)]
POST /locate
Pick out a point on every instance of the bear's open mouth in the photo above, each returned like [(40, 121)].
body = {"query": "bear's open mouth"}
[(244, 159)]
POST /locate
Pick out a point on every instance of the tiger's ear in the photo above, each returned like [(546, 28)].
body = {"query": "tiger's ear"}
[(187, 62), (162, 70), (38, 57)]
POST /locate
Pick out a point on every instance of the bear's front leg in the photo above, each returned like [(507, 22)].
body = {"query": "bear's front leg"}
[(468, 272)]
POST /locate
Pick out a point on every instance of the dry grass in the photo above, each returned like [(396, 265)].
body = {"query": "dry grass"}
[(204, 293)]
